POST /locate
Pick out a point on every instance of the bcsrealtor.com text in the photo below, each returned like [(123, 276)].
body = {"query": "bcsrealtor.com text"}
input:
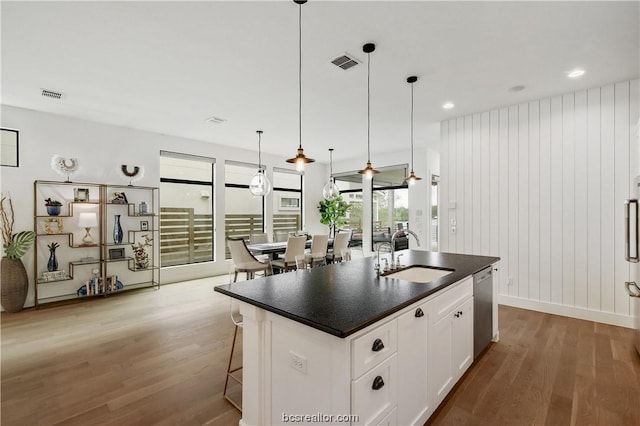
[(319, 418)]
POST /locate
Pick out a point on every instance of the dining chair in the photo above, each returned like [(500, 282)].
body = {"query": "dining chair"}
[(345, 255), (280, 236), (318, 252), (340, 243), (295, 247), (259, 238), (244, 260), (302, 262)]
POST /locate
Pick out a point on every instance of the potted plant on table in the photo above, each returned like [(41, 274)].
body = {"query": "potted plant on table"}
[(53, 207), (15, 284), (333, 213)]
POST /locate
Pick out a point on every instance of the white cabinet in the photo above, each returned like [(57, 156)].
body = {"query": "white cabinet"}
[(452, 333), (396, 371), (413, 377)]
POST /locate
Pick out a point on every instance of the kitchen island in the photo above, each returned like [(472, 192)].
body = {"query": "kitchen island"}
[(340, 341)]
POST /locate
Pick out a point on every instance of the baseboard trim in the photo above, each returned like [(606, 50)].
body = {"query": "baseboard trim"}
[(567, 311)]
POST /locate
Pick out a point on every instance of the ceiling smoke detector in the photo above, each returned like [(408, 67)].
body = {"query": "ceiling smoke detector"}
[(51, 94), (215, 120), (344, 61)]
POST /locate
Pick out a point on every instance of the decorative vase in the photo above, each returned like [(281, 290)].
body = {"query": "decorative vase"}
[(53, 210), (143, 208), (14, 286), (118, 234), (52, 265)]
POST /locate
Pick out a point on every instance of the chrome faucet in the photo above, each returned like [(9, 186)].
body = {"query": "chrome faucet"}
[(377, 265), (392, 245)]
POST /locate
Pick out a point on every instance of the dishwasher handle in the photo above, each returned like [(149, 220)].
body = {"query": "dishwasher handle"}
[(483, 275)]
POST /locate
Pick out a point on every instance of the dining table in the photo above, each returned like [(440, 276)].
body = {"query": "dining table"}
[(276, 248)]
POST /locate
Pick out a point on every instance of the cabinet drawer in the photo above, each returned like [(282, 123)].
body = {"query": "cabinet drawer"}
[(374, 394), (390, 419), (373, 348), (452, 297)]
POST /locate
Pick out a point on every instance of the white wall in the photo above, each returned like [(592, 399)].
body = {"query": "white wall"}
[(101, 149), (542, 185)]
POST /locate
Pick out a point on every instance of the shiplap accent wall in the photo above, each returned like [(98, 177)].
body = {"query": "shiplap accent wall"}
[(542, 185)]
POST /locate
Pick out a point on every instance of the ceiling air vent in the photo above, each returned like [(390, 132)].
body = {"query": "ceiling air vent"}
[(344, 61), (215, 120), (51, 94)]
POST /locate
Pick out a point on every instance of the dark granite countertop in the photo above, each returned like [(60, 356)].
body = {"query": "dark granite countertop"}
[(343, 298)]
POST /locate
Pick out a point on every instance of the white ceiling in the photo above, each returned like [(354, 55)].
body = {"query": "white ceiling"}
[(168, 66)]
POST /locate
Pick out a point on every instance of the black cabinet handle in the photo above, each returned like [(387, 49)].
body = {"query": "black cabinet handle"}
[(457, 315), (377, 345), (378, 383), (460, 313), (419, 313)]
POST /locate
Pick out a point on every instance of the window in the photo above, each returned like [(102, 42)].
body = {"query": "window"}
[(287, 200), (350, 185), (390, 203), (244, 213), (186, 209)]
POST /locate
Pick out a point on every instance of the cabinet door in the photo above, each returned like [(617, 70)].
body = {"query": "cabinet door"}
[(462, 352), (441, 362), (413, 388)]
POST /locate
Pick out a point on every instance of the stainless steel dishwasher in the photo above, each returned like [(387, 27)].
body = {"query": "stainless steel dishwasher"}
[(482, 310)]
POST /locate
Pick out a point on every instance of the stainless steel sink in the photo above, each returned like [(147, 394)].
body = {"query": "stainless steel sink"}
[(419, 274)]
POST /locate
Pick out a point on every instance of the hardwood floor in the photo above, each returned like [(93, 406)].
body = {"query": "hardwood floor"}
[(549, 370), (154, 357), (159, 357)]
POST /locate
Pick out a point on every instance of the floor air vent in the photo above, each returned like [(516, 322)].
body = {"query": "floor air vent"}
[(344, 61)]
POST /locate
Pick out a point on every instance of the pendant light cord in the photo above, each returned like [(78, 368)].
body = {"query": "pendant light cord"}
[(331, 164), (300, 75), (259, 151), (412, 127), (368, 107)]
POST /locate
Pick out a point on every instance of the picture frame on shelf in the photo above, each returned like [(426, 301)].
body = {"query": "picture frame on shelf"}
[(81, 195), (116, 253), (144, 225), (53, 226)]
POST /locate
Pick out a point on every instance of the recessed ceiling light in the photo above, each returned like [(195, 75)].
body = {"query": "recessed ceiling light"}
[(448, 105), (514, 89), (575, 73)]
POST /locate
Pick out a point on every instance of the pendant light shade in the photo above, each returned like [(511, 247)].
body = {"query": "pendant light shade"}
[(368, 171), (300, 159), (331, 190), (412, 178), (260, 184)]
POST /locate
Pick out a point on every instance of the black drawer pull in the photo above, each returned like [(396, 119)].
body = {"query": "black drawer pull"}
[(457, 315), (377, 345), (378, 383), (419, 313)]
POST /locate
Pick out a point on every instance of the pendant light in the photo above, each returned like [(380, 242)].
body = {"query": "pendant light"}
[(260, 184), (300, 159), (330, 190), (412, 178), (368, 171)]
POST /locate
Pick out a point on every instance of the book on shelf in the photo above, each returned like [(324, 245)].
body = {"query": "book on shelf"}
[(54, 276)]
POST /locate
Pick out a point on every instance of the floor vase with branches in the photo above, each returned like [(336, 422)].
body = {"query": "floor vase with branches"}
[(14, 283)]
